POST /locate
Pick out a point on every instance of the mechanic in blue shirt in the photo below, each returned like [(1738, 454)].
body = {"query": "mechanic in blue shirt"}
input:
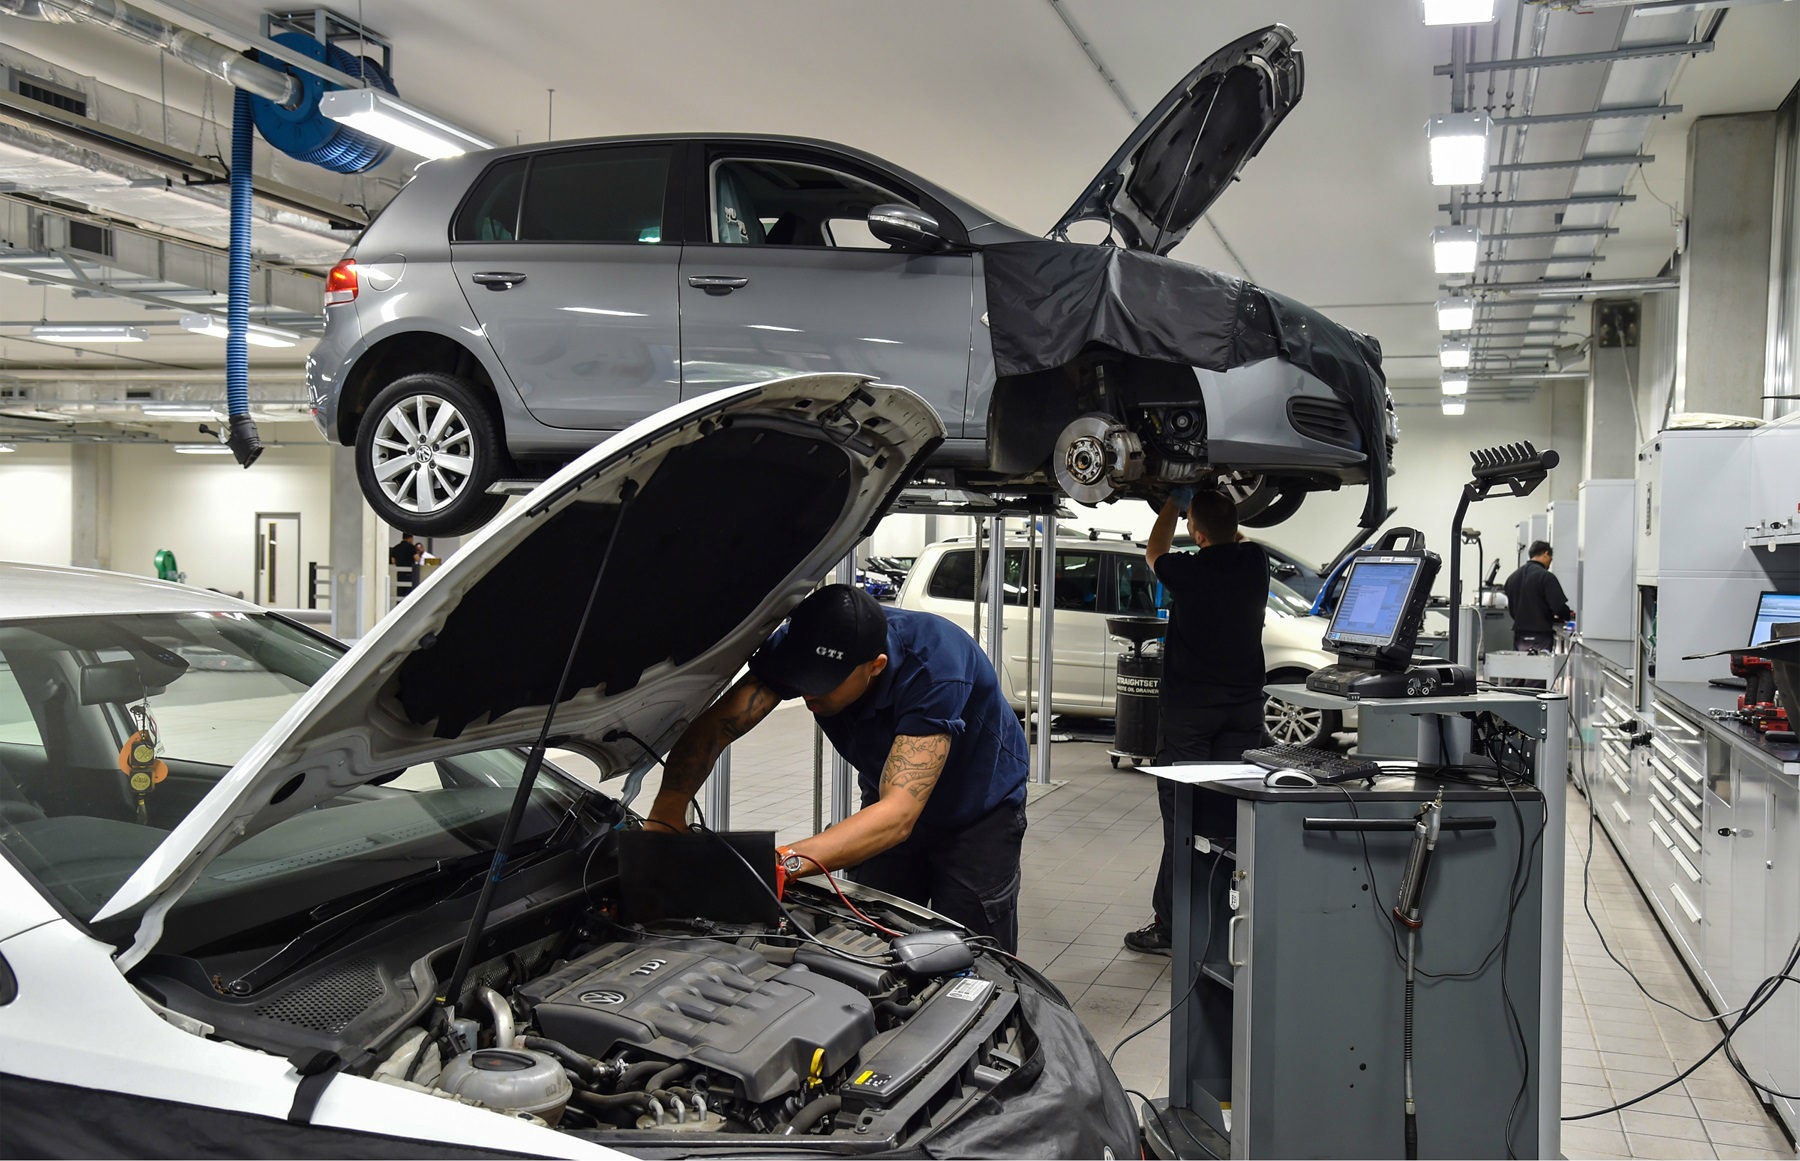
[(910, 702)]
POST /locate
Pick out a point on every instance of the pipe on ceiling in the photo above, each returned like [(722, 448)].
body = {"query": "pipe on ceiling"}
[(209, 56)]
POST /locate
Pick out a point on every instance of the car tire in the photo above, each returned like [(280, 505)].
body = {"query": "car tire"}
[(1288, 724), (1284, 506), (436, 485)]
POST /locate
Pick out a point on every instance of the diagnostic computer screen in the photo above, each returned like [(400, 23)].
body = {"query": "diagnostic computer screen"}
[(1374, 598), (1771, 610)]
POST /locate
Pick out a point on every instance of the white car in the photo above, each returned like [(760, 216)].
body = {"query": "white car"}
[(234, 898), (1100, 577)]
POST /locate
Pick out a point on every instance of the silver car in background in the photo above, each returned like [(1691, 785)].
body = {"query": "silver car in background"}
[(510, 308)]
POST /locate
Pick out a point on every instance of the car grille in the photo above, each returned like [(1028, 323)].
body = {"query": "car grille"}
[(1325, 420), (329, 1003)]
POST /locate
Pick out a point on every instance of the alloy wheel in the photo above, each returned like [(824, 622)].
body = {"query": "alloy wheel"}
[(1293, 725), (424, 453)]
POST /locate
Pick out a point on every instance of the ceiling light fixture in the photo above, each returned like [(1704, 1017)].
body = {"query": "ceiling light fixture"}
[(1456, 314), (7, 449), (1454, 354), (1457, 11), (88, 333), (202, 449), (215, 327), (1458, 144), (1456, 384), (387, 117), (1454, 406), (177, 411), (1454, 249)]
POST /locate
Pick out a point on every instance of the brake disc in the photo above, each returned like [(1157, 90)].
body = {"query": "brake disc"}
[(1095, 456)]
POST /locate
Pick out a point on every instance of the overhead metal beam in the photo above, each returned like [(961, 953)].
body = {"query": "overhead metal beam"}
[(1593, 161), (1627, 52), (1554, 288), (1538, 203), (1565, 232), (1554, 259), (1528, 377), (1602, 114)]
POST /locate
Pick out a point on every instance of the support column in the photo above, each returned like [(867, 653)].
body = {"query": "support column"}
[(90, 508), (1568, 435), (345, 547), (1725, 269), (1611, 438)]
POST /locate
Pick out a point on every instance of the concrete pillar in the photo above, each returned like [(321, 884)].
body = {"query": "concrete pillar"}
[(90, 509), (1725, 274), (1568, 435), (1609, 449), (346, 546)]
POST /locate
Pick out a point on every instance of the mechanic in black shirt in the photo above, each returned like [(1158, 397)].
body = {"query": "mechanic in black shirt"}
[(1535, 598), (1211, 696), (404, 556)]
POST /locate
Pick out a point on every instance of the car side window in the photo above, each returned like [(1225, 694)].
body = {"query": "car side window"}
[(17, 726), (954, 577), (1078, 581), (491, 212), (596, 195), (1135, 587), (765, 202)]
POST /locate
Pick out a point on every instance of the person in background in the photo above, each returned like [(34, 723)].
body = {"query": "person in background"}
[(1535, 598), (1211, 700), (404, 556)]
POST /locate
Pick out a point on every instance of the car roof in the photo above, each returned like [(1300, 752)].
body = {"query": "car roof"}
[(44, 590)]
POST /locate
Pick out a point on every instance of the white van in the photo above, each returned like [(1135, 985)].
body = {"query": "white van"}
[(1097, 578)]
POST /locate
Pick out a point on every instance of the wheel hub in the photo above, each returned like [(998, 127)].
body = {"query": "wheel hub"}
[(424, 453), (1094, 457)]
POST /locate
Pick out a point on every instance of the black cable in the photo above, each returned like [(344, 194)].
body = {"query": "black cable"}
[(1218, 858), (509, 831)]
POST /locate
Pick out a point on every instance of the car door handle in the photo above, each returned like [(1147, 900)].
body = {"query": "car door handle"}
[(497, 279), (717, 283)]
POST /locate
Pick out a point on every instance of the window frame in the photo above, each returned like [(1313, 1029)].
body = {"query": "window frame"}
[(673, 218)]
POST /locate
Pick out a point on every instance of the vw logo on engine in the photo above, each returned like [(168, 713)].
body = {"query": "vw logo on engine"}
[(604, 996)]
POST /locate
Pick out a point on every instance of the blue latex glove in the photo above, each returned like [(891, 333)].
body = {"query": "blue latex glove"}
[(1183, 495)]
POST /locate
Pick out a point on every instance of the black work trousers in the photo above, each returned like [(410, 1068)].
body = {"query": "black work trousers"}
[(969, 875), (1194, 731)]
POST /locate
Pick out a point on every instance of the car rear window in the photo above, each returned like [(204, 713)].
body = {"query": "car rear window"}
[(954, 577), (491, 214), (596, 195)]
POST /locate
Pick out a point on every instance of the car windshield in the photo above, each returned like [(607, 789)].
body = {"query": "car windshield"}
[(81, 807), (1285, 600)]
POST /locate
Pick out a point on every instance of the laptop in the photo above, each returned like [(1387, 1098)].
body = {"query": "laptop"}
[(1772, 609)]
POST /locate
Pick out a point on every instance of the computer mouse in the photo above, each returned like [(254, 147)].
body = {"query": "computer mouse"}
[(1289, 778)]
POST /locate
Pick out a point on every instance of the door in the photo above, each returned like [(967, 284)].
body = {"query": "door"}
[(278, 561), (562, 257), (784, 277)]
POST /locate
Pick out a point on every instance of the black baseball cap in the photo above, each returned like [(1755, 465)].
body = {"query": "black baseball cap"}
[(828, 634)]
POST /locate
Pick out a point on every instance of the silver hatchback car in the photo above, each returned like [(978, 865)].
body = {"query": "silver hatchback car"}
[(510, 308)]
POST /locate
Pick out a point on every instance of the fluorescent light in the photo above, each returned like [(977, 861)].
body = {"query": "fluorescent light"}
[(213, 326), (1457, 11), (1455, 314), (202, 449), (1454, 249), (1456, 384), (1454, 407), (179, 411), (1458, 145), (7, 449), (83, 333), (387, 117), (1454, 354)]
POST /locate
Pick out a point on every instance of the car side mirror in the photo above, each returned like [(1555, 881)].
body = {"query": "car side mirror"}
[(1285, 570), (906, 227)]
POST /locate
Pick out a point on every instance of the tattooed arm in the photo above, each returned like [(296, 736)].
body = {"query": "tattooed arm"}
[(691, 758), (912, 769)]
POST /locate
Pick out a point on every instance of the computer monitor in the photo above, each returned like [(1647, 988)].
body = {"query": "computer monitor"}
[(1379, 609), (1773, 609)]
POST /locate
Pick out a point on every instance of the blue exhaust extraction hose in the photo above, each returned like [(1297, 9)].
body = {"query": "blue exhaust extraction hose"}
[(245, 444)]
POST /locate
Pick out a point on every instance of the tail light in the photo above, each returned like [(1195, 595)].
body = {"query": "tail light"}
[(340, 284)]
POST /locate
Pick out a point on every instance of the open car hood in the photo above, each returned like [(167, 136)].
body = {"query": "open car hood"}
[(724, 512), (1181, 157)]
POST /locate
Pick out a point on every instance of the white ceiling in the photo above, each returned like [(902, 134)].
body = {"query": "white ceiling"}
[(997, 101)]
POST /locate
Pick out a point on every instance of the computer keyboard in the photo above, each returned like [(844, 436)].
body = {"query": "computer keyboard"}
[(1325, 765)]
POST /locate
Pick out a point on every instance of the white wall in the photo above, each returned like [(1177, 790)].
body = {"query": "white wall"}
[(34, 503), (1431, 463), (203, 509)]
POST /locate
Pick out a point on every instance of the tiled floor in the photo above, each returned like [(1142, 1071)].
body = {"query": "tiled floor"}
[(1089, 860)]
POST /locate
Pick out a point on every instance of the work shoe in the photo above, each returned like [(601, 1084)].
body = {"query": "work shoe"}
[(1150, 939)]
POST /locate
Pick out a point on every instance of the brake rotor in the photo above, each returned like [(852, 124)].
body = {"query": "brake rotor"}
[(1096, 456)]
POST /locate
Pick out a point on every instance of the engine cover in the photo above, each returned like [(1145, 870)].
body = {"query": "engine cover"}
[(712, 1004)]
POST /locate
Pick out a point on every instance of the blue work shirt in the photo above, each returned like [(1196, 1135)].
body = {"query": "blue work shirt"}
[(937, 681)]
